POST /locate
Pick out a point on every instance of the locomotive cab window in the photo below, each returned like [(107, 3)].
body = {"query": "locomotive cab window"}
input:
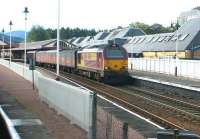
[(114, 53)]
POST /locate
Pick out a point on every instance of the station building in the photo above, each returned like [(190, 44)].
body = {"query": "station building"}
[(138, 44), (3, 47), (166, 44), (189, 15), (18, 51)]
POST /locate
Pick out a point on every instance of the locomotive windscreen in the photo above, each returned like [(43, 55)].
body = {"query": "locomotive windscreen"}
[(114, 53)]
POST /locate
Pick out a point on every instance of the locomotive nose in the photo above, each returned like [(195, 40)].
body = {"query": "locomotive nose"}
[(115, 65)]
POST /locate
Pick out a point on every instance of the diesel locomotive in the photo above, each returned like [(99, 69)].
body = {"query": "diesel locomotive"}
[(106, 62)]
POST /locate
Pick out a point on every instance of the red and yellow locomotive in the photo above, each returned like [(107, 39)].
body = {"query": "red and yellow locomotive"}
[(106, 62)]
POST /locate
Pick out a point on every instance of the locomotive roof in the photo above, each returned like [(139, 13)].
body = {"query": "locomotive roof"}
[(91, 50)]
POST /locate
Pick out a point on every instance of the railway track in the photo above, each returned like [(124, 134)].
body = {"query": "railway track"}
[(192, 110), (168, 112)]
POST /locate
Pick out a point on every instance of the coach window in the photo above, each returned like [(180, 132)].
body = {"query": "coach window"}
[(79, 58)]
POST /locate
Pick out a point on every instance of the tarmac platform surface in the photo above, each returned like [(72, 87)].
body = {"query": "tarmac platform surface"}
[(176, 81), (32, 118)]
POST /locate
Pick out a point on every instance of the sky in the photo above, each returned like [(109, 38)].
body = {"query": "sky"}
[(97, 14)]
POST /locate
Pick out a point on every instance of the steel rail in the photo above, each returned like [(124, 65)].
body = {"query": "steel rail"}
[(154, 117)]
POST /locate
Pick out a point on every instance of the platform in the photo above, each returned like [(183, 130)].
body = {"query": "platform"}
[(180, 82), (32, 118)]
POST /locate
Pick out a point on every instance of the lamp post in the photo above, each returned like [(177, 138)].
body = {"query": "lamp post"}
[(58, 42), (132, 56), (3, 42), (177, 34), (176, 25), (25, 34), (10, 23)]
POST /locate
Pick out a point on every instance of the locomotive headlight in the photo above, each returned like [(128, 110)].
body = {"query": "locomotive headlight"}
[(125, 67)]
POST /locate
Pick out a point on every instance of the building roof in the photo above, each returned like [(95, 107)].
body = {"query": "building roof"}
[(2, 43), (35, 45), (5, 45), (188, 34), (47, 45), (125, 32), (103, 37)]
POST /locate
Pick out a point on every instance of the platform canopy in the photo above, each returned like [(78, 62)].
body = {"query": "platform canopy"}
[(3, 44)]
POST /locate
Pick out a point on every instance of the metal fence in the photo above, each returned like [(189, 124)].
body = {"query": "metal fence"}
[(185, 68), (110, 127)]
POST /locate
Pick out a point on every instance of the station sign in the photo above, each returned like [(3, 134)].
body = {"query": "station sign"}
[(31, 64)]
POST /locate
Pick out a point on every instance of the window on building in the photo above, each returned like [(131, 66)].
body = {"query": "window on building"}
[(132, 40), (141, 40), (161, 38), (155, 39), (135, 41), (149, 39), (183, 37), (167, 38), (138, 41), (174, 38)]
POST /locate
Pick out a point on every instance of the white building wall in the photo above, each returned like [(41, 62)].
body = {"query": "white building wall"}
[(185, 68), (188, 15)]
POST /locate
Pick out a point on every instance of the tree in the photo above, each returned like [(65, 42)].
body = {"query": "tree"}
[(52, 33), (196, 8), (38, 33), (151, 29), (67, 33), (140, 25)]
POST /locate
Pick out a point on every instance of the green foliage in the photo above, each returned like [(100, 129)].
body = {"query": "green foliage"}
[(196, 8), (67, 33), (152, 29), (175, 26), (38, 33)]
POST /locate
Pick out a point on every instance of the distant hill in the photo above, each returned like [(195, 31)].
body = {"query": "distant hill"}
[(18, 34), (14, 39)]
